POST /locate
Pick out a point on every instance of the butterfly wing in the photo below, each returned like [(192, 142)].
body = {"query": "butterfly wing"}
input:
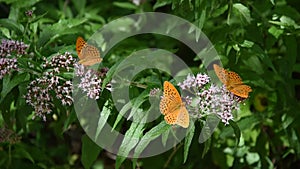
[(232, 81), (171, 99), (241, 90), (171, 118), (91, 55), (233, 78), (90, 61), (236, 85), (179, 116), (183, 119), (88, 54), (221, 73), (172, 106), (80, 43)]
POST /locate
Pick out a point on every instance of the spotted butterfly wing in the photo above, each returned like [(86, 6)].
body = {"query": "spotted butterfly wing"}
[(88, 54), (236, 85), (171, 99), (241, 90), (179, 116), (80, 43), (172, 106), (233, 78), (221, 73), (232, 81)]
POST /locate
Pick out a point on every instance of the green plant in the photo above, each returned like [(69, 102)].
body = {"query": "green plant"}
[(257, 39)]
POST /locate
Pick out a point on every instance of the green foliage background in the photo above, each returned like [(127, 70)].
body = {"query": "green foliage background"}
[(258, 39)]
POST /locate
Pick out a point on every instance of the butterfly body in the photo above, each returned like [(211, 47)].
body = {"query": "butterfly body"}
[(172, 107), (232, 81), (88, 54)]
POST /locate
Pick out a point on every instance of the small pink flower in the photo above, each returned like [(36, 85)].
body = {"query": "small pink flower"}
[(91, 80), (39, 90), (210, 98)]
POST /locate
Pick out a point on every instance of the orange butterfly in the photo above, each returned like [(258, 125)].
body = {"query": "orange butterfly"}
[(88, 54), (172, 107), (232, 81)]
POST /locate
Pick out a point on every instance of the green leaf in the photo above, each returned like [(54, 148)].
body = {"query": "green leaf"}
[(236, 130), (220, 11), (210, 125), (25, 4), (236, 47), (243, 10), (247, 44), (294, 140), (246, 123), (45, 36), (138, 102), (165, 137), (161, 3), (149, 136), (14, 13), (22, 152), (125, 5), (39, 19), (257, 66), (110, 74), (187, 141), (62, 27), (106, 110), (200, 23), (32, 153), (286, 121), (22, 109), (70, 119), (288, 22), (207, 144), (89, 152), (131, 139), (79, 5), (252, 158), (275, 32), (264, 57), (9, 84), (12, 25), (8, 1), (122, 113)]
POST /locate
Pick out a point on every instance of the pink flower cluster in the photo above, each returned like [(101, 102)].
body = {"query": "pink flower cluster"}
[(42, 90), (209, 98), (91, 80), (7, 65), (9, 49)]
